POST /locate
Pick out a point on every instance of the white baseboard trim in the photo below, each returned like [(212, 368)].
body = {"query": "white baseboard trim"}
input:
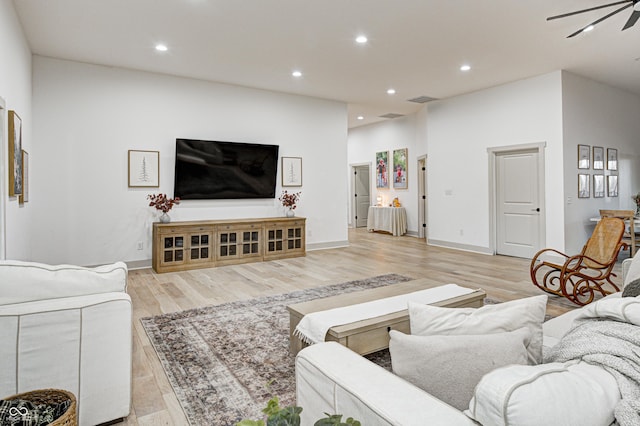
[(457, 246), (138, 264), (327, 245)]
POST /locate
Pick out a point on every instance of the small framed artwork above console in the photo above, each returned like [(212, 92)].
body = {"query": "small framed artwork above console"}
[(291, 171), (144, 169)]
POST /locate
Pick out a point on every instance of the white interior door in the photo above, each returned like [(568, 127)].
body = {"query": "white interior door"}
[(362, 196), (518, 203)]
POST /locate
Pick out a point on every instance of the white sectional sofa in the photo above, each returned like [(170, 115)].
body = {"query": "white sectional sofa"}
[(68, 327), (332, 379)]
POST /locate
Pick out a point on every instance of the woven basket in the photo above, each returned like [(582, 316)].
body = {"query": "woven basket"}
[(52, 396)]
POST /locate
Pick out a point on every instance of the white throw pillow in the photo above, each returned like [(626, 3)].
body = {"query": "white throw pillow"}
[(450, 367), (570, 393), (427, 320)]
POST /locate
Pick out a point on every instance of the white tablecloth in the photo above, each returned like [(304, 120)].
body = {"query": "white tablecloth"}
[(390, 219)]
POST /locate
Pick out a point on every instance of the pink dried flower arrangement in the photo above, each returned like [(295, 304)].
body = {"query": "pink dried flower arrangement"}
[(289, 200), (162, 203)]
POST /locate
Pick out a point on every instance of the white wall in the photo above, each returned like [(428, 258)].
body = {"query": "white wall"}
[(460, 130), (15, 89), (595, 114), (398, 133), (87, 117)]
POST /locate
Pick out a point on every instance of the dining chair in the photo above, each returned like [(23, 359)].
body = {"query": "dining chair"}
[(630, 237)]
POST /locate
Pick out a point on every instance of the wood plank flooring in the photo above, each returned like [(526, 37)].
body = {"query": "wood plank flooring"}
[(369, 254)]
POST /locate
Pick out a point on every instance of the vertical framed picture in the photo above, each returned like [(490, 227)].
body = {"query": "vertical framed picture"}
[(382, 169), (15, 154), (584, 185), (24, 197), (399, 172), (584, 157), (144, 169), (612, 159), (612, 185), (598, 186), (598, 158), (291, 171)]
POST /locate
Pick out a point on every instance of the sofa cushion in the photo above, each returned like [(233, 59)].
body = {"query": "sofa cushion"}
[(633, 272), (632, 289), (574, 393), (449, 367), (428, 320)]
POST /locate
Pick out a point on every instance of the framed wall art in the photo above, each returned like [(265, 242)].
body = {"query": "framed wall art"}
[(612, 159), (382, 169), (24, 197), (584, 156), (612, 185), (583, 185), (598, 158), (15, 154), (598, 186), (144, 169), (291, 171), (399, 172)]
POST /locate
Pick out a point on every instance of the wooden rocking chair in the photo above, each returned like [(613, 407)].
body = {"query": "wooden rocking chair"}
[(581, 276)]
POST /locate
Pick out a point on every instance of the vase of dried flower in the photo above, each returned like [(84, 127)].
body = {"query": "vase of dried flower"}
[(165, 218), (290, 213)]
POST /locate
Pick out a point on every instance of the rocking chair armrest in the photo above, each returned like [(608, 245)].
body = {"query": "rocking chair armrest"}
[(538, 254), (579, 258)]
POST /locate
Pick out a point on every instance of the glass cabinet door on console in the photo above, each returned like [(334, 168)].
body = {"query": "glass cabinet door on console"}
[(182, 246), (284, 239), (238, 242)]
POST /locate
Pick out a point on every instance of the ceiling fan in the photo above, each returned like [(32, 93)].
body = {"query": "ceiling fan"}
[(635, 15)]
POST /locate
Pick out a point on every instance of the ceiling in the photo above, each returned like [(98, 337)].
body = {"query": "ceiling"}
[(414, 46)]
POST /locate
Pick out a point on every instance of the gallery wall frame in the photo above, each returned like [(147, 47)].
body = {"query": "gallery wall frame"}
[(399, 173), (144, 169), (584, 156), (382, 169), (584, 184), (598, 186), (612, 159), (291, 171), (598, 158), (15, 154), (24, 197), (612, 185)]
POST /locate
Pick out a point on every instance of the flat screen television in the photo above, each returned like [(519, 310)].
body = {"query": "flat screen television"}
[(209, 170)]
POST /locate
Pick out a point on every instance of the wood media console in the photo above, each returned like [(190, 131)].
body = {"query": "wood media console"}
[(179, 246)]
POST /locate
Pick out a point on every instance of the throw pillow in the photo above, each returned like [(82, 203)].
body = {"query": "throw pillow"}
[(427, 320), (632, 289), (450, 367)]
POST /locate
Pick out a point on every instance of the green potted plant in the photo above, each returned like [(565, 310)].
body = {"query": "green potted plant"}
[(290, 416)]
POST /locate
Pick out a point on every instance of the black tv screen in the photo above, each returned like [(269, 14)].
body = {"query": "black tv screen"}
[(207, 170)]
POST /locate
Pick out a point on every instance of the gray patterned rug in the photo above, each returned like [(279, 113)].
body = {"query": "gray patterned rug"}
[(219, 359)]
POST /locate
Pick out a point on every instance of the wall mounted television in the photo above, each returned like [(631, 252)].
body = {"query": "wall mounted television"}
[(209, 170)]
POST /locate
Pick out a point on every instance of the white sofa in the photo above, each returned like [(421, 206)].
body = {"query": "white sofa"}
[(68, 327), (332, 379)]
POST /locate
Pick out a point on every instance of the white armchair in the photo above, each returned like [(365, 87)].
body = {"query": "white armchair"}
[(68, 327)]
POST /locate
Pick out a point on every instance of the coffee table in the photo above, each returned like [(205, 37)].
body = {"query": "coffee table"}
[(372, 334)]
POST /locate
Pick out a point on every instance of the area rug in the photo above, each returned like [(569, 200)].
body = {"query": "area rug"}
[(225, 362)]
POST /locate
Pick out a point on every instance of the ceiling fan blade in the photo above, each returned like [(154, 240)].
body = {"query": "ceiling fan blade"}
[(564, 15), (632, 20), (597, 21)]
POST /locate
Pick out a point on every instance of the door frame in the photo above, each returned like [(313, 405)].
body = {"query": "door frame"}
[(493, 185), (422, 204), (352, 191), (3, 184)]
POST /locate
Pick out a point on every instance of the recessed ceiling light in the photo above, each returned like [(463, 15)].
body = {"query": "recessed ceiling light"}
[(465, 67), (297, 74), (391, 92), (589, 28), (161, 47), (360, 117), (361, 39)]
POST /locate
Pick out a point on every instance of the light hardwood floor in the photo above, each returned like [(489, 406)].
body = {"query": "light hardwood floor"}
[(369, 254)]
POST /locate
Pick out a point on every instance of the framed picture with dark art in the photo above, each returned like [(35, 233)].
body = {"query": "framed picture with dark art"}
[(612, 159), (612, 185), (24, 197), (583, 185), (382, 169), (399, 172), (15, 154), (584, 157), (598, 186), (144, 169), (291, 171), (598, 158)]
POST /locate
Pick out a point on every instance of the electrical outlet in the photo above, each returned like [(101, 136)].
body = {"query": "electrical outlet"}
[(140, 245)]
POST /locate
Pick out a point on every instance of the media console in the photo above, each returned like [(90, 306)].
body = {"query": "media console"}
[(179, 246)]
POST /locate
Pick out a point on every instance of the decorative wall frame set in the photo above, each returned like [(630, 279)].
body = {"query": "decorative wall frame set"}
[(595, 158), (398, 174)]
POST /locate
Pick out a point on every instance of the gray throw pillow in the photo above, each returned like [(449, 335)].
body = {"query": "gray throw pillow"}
[(450, 366), (632, 289)]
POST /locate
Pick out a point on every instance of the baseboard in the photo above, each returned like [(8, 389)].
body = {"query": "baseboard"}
[(138, 264), (457, 246), (327, 245)]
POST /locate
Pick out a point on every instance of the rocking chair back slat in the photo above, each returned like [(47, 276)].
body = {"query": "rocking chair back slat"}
[(603, 246)]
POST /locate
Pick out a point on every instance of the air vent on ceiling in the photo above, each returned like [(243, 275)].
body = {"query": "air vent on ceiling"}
[(422, 99), (392, 115)]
